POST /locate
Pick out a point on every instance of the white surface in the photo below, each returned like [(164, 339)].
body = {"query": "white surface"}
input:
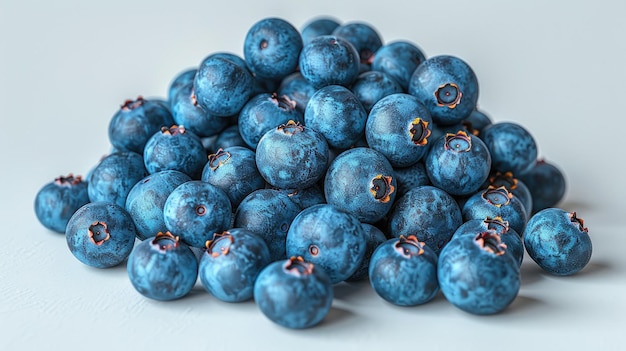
[(65, 67)]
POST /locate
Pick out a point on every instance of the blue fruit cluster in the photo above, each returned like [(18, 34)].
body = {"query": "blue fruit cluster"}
[(321, 155)]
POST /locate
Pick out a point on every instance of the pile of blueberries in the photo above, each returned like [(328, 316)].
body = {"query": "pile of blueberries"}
[(322, 156)]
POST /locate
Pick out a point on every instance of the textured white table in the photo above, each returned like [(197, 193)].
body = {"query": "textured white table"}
[(556, 68)]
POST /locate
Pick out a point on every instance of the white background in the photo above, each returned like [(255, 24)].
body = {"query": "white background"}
[(558, 68)]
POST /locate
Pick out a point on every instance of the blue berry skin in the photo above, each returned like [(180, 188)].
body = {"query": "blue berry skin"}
[(410, 177), (427, 212), (330, 238), (292, 156), (362, 182), (558, 241), (163, 102), (180, 81), (329, 60), (458, 163), (195, 210), (258, 85), (404, 272), (271, 48), (234, 171), (188, 113), (318, 27), (296, 89), (162, 268), (229, 137), (515, 186), (399, 127), (135, 122), (100, 234), (175, 148), (336, 113), (374, 237), (371, 86), (293, 293), (56, 202), (439, 131), (362, 36), (477, 121), (146, 199), (512, 147), (512, 239), (306, 197), (112, 179), (222, 85), (231, 263), (447, 86), (335, 152), (398, 59), (476, 275), (264, 112), (268, 213), (546, 184), (496, 202)]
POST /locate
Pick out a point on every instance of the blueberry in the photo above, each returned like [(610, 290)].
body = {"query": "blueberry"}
[(427, 212), (512, 239), (458, 163), (336, 113), (447, 86), (512, 147), (292, 156), (374, 237), (146, 199), (135, 122), (515, 186), (227, 138), (306, 197), (330, 238), (187, 112), (546, 184), (162, 268), (404, 271), (477, 121), (271, 48), (56, 202), (222, 85), (410, 177), (558, 241), (329, 60), (361, 181), (371, 86), (234, 171), (268, 213), (175, 148), (476, 275), (440, 131), (264, 112), (258, 85), (318, 27), (363, 36), (293, 293), (117, 173), (398, 59), (100, 234), (399, 127), (496, 202), (195, 210), (164, 104), (181, 80), (297, 89), (231, 263)]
